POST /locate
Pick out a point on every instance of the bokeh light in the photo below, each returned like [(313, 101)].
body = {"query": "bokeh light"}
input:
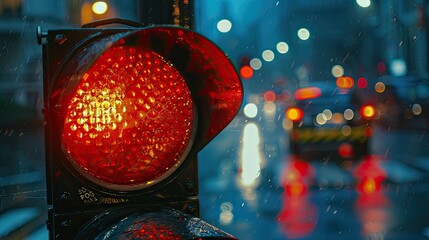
[(270, 96), (255, 63), (380, 87), (321, 119), (250, 110), (345, 82), (337, 71), (224, 25), (398, 67), (269, 108), (250, 156), (268, 55), (99, 7), (303, 34), (328, 114), (346, 130), (364, 3), (362, 82), (246, 72), (349, 114), (294, 114), (417, 109), (282, 47)]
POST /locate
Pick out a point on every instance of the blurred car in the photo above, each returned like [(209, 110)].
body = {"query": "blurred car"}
[(326, 118)]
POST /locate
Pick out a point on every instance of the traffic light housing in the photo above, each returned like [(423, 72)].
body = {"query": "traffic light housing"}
[(126, 112)]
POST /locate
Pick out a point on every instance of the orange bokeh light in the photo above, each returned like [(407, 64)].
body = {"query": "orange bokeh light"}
[(367, 111), (345, 82), (246, 72), (294, 114), (307, 93)]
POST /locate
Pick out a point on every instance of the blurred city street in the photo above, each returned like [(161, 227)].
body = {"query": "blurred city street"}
[(259, 200), (333, 205)]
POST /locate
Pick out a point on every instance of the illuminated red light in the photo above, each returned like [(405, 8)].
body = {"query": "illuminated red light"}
[(369, 185), (381, 67), (130, 119), (152, 230), (294, 114), (368, 132), (345, 150), (307, 93), (296, 177), (298, 216), (296, 189), (362, 82), (270, 96), (370, 175), (367, 111), (246, 72)]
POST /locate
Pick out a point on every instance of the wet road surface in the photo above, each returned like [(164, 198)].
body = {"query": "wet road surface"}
[(251, 187)]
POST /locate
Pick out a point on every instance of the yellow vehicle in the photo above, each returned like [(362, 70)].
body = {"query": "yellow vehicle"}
[(328, 118)]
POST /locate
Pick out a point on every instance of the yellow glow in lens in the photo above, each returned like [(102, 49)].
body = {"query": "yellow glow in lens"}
[(99, 7)]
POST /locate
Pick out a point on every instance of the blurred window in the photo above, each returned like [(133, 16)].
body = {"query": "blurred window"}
[(10, 8)]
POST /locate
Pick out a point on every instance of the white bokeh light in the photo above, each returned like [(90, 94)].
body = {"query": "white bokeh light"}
[(349, 114), (250, 110), (99, 7), (416, 109), (337, 71), (224, 25), (255, 63), (364, 3), (398, 67), (268, 55), (250, 155), (282, 47), (303, 34)]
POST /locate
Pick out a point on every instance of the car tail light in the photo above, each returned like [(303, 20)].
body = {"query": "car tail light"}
[(345, 82), (295, 114), (367, 111), (307, 93), (345, 150)]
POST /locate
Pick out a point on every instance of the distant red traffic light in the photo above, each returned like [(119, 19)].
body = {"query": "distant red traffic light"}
[(246, 72)]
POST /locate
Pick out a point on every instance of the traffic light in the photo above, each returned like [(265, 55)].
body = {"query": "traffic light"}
[(245, 71), (126, 112)]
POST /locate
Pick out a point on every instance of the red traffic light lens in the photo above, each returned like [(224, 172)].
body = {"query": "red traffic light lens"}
[(130, 119)]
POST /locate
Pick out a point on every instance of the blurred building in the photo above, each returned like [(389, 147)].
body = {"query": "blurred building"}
[(20, 56), (367, 38), (21, 83), (392, 33)]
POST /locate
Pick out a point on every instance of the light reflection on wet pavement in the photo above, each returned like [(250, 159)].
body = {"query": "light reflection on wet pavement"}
[(378, 197), (277, 197)]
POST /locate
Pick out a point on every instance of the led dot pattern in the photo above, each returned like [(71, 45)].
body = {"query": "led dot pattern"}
[(130, 119)]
